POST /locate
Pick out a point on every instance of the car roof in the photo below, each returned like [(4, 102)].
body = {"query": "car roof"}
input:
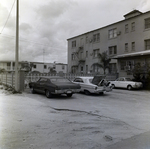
[(90, 77)]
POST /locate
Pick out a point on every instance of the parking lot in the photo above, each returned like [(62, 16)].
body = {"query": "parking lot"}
[(85, 122)]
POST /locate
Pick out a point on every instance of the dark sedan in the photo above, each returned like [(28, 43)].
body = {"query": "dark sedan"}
[(54, 85)]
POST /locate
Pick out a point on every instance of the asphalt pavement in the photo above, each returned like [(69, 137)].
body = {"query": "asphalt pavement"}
[(141, 141)]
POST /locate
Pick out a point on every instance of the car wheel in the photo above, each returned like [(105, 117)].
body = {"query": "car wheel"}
[(69, 95), (129, 87), (101, 93), (86, 92), (113, 86), (48, 94), (32, 90)]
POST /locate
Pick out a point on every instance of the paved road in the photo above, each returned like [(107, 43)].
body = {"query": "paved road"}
[(113, 120), (131, 107)]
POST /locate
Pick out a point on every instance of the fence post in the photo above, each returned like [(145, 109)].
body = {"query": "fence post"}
[(6, 78)]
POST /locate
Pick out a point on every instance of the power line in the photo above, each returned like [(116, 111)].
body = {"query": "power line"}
[(32, 42), (7, 17)]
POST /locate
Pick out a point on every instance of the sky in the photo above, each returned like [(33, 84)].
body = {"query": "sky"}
[(45, 25)]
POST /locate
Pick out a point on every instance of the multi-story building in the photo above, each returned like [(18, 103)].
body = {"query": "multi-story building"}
[(127, 42)]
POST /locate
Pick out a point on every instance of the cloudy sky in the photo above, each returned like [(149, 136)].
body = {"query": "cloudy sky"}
[(45, 25)]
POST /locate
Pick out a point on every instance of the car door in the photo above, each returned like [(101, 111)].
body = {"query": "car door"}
[(80, 82), (122, 83), (41, 84)]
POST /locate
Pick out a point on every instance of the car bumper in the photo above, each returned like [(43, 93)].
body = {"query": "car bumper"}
[(67, 91)]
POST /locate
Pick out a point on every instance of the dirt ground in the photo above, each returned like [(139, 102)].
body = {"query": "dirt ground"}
[(26, 123)]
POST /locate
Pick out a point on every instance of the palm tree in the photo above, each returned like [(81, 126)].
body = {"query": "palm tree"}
[(103, 62)]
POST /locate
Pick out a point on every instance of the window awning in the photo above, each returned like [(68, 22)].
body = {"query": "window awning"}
[(141, 53)]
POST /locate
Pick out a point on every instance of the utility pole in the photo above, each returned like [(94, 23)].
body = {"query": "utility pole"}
[(17, 48)]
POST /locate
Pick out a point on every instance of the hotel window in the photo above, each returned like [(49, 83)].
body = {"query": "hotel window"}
[(126, 47), (112, 50), (45, 66), (95, 53), (73, 57), (122, 65), (112, 33), (63, 67), (126, 28), (147, 23), (147, 44), (133, 26), (133, 46), (96, 37), (73, 44)]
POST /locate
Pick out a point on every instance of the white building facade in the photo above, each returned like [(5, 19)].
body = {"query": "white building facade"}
[(127, 42)]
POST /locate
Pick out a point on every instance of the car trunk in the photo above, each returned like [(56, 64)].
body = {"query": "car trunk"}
[(97, 79), (67, 85)]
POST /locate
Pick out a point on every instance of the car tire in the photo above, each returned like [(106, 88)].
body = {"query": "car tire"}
[(129, 87), (48, 94), (69, 95), (113, 86), (86, 92), (32, 90)]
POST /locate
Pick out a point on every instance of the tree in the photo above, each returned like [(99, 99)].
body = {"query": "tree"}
[(103, 62), (27, 66), (2, 70)]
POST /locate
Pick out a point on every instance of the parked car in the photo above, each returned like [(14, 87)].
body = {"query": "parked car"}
[(54, 85), (124, 82), (96, 85)]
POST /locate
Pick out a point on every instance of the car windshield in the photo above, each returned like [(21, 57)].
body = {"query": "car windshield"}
[(59, 80), (128, 79)]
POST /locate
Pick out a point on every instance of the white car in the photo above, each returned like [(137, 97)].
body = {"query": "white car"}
[(124, 82), (90, 85)]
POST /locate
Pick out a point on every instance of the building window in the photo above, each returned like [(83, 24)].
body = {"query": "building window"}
[(147, 23), (73, 57), (63, 67), (133, 26), (81, 68), (122, 65), (95, 53), (126, 47), (112, 33), (147, 44), (112, 50), (133, 46), (73, 44), (45, 66), (96, 37), (126, 28), (34, 66), (8, 64), (96, 68), (86, 54)]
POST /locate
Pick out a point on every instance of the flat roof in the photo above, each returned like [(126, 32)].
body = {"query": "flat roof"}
[(141, 53)]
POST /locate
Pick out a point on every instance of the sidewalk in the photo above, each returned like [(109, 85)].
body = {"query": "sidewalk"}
[(141, 141)]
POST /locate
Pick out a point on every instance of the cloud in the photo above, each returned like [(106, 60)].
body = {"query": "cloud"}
[(46, 25)]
